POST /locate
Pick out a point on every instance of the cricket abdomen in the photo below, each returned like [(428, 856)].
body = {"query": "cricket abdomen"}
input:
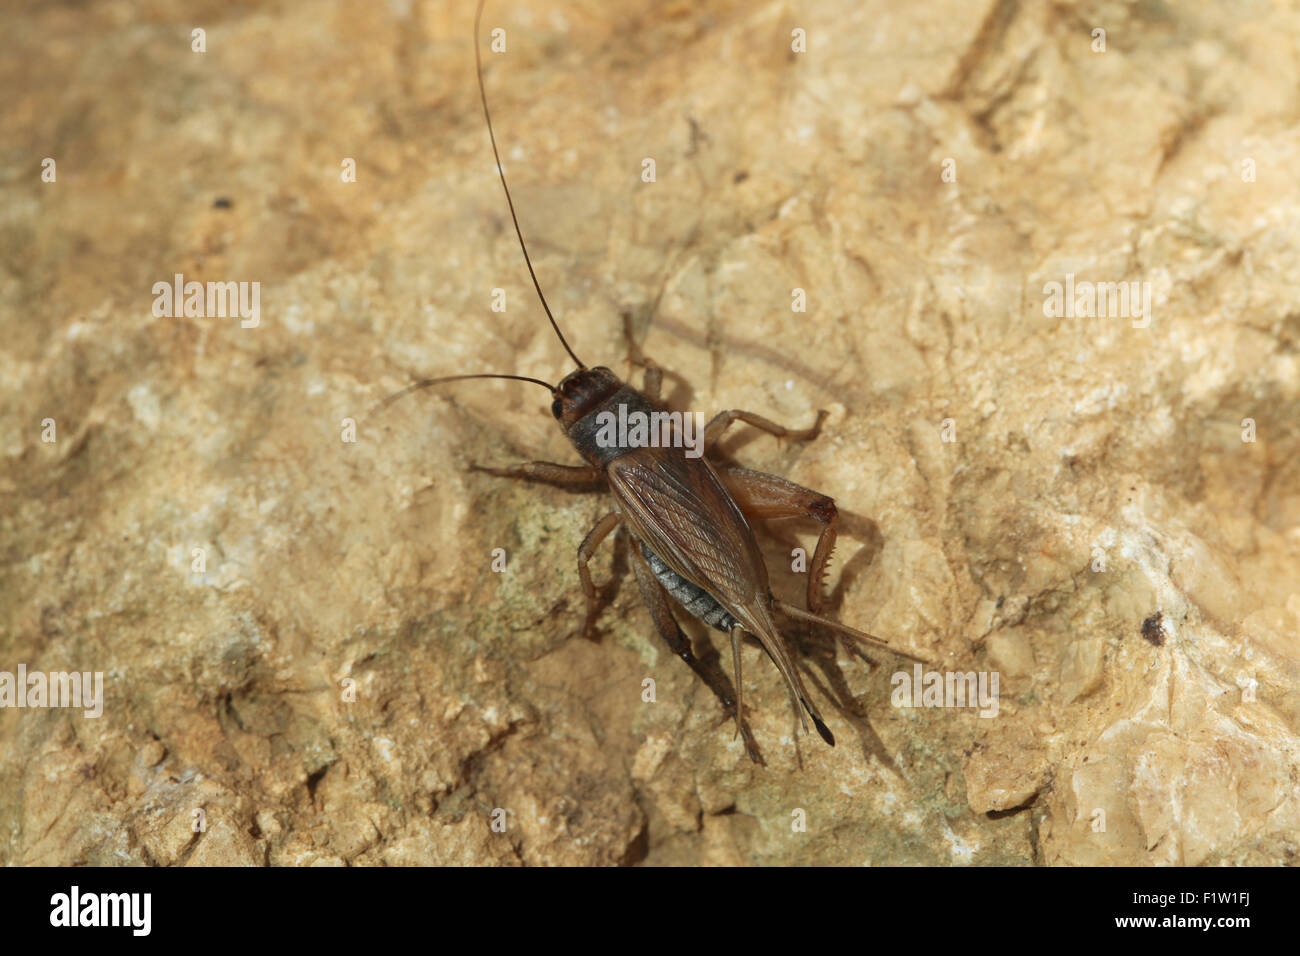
[(695, 599)]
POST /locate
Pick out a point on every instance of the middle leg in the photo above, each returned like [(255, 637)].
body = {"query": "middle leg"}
[(722, 421), (585, 550)]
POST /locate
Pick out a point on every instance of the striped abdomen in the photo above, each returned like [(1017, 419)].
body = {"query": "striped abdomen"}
[(696, 600)]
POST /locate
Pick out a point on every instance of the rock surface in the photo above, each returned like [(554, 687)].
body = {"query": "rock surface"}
[(303, 642)]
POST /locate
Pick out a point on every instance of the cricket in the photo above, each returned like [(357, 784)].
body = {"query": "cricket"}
[(689, 518), (914, 389)]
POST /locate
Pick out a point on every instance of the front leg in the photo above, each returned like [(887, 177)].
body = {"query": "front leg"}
[(769, 496), (563, 476)]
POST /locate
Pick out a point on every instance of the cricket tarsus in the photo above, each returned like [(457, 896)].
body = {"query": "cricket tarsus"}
[(487, 115)]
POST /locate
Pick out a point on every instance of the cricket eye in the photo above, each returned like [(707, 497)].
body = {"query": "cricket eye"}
[(556, 408)]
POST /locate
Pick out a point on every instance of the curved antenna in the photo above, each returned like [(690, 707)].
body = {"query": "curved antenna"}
[(478, 65), (426, 382)]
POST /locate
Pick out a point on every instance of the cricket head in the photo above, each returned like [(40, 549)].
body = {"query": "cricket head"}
[(582, 392)]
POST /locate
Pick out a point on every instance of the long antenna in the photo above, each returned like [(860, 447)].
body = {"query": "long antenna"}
[(426, 382), (478, 64)]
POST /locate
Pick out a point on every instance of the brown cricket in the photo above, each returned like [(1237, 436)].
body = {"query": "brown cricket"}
[(688, 518)]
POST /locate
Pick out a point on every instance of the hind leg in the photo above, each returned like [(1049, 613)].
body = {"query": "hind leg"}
[(769, 496), (659, 604)]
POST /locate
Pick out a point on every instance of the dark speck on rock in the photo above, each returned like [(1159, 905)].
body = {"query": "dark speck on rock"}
[(1152, 630)]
